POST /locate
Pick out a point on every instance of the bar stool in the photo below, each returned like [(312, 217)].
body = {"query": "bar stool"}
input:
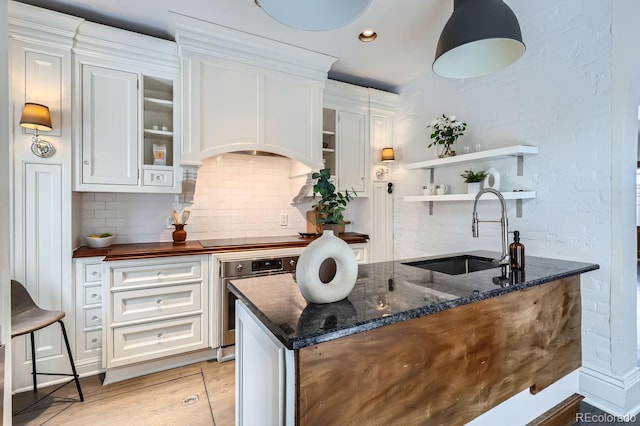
[(27, 317)]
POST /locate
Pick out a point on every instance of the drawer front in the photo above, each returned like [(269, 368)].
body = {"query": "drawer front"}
[(93, 317), (157, 274), (153, 303), (92, 295), (92, 272), (156, 339), (157, 178), (93, 339)]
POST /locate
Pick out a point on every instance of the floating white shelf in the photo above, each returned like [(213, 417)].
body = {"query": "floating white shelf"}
[(513, 195), (509, 151)]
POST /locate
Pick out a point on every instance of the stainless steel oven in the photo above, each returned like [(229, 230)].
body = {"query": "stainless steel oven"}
[(246, 268)]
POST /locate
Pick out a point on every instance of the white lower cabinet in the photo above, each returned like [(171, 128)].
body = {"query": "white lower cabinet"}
[(265, 374), (88, 318), (155, 308)]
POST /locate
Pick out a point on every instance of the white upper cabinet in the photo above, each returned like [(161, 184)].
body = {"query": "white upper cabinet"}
[(109, 126), (244, 92), (351, 151), (127, 93), (357, 124)]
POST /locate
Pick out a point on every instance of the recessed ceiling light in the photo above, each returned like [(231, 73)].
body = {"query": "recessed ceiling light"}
[(367, 35)]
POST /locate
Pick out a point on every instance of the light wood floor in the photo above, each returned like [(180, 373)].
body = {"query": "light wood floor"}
[(198, 394)]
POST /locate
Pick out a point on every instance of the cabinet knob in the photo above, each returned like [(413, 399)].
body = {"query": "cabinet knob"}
[(159, 335), (95, 296), (159, 301), (160, 275), (86, 162), (94, 340), (94, 318), (292, 262), (94, 273), (240, 267)]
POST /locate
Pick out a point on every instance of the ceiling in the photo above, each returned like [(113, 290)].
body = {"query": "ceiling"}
[(408, 31)]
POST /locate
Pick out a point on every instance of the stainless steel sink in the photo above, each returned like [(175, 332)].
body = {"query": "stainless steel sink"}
[(455, 265)]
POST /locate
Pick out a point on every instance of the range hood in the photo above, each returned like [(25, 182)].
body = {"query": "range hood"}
[(256, 153)]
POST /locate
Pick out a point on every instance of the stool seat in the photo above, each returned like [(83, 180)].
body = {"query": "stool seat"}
[(32, 320), (27, 318)]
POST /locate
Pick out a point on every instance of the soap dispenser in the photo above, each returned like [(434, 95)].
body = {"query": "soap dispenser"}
[(516, 252)]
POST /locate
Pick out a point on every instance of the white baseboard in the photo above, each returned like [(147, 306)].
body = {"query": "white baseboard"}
[(615, 395), (113, 375)]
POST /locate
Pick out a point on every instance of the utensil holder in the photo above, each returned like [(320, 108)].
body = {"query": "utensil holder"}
[(179, 235)]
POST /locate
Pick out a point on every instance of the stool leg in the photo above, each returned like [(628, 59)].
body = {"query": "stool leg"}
[(73, 366), (33, 363)]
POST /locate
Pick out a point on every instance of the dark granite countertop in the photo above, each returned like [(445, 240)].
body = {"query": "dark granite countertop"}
[(385, 293)]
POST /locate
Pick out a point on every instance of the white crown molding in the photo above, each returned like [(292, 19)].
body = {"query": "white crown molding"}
[(193, 35), (33, 24), (101, 41), (338, 93)]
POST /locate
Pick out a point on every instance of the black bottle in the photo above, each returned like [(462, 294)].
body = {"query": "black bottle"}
[(516, 252)]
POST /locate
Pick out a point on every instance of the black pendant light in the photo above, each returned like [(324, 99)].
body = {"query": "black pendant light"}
[(480, 37)]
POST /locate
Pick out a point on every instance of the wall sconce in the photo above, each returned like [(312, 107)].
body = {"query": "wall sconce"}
[(37, 117), (387, 156), (480, 37)]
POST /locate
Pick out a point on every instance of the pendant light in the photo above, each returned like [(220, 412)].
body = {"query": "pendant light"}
[(480, 37), (315, 15)]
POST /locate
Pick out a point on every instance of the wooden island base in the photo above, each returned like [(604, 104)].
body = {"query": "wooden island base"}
[(445, 368)]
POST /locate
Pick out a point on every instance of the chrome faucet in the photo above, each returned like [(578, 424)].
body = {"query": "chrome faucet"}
[(504, 261)]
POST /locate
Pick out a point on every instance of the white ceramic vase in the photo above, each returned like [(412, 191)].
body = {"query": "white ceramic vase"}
[(473, 187), (327, 269)]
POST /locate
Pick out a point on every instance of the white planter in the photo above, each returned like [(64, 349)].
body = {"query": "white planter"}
[(473, 187)]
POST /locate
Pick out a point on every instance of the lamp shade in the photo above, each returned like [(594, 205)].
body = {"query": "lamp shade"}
[(388, 155), (480, 37), (314, 14), (36, 116)]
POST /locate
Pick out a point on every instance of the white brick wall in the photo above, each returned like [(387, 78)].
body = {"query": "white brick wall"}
[(558, 97), (236, 196)]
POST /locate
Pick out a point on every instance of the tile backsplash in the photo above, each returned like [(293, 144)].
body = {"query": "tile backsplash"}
[(236, 196)]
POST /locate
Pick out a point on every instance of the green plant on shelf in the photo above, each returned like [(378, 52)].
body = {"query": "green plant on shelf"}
[(470, 176)]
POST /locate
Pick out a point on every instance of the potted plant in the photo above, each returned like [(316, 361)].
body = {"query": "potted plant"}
[(445, 132), (331, 204), (473, 180)]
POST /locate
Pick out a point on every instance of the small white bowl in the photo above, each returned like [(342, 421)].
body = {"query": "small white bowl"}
[(97, 242)]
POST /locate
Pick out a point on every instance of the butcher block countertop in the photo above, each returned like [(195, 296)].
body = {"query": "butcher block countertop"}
[(161, 249)]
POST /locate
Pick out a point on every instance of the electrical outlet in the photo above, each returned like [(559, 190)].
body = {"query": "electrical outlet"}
[(284, 219)]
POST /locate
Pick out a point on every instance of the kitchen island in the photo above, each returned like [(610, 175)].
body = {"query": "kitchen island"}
[(407, 346)]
